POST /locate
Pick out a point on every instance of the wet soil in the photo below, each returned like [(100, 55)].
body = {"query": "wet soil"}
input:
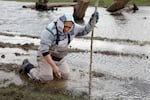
[(18, 86), (28, 89)]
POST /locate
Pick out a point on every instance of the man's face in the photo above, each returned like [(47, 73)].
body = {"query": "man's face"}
[(67, 26)]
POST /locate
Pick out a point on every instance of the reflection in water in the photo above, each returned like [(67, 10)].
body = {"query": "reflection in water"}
[(121, 20)]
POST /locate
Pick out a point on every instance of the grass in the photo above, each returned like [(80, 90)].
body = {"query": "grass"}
[(141, 2), (14, 92)]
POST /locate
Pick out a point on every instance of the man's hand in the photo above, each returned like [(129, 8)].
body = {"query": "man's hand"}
[(91, 22), (57, 72), (55, 68)]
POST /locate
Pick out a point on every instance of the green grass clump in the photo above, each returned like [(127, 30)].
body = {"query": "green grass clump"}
[(14, 92)]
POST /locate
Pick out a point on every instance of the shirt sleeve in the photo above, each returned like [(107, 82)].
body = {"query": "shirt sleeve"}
[(82, 30), (46, 40)]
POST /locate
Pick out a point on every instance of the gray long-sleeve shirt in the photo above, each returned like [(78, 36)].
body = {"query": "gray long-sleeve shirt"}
[(49, 35)]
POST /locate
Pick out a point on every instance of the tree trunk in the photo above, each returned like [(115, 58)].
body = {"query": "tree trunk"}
[(41, 5), (45, 1), (79, 10), (42, 1)]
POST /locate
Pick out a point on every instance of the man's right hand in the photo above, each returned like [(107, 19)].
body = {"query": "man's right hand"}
[(57, 72), (55, 68)]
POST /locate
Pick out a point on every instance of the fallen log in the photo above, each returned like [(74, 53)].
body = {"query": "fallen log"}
[(117, 5), (133, 8), (129, 8), (80, 7), (49, 6)]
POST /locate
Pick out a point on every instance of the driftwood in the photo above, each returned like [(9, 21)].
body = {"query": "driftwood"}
[(129, 8), (117, 5), (120, 5), (49, 6), (133, 8), (80, 7)]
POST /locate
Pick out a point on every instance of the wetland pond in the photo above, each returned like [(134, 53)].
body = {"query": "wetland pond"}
[(121, 63)]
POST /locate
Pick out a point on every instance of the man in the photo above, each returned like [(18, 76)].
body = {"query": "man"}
[(53, 48)]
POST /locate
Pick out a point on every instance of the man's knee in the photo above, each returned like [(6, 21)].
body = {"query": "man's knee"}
[(66, 75), (46, 78)]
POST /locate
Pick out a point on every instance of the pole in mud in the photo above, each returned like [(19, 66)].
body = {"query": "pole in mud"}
[(91, 51)]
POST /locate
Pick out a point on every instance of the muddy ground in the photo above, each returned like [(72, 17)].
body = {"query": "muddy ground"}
[(19, 87), (119, 82)]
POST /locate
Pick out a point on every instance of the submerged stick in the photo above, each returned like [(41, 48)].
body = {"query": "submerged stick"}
[(91, 52)]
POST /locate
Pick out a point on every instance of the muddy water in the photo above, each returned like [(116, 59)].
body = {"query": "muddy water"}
[(120, 60)]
